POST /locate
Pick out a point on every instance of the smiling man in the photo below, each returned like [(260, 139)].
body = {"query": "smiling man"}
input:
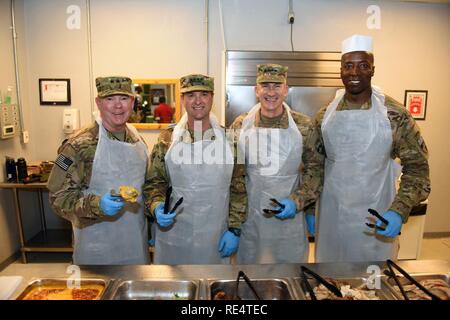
[(359, 135), (280, 236), (190, 234), (99, 158)]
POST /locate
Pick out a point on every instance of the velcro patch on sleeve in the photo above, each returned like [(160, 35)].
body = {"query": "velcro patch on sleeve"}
[(63, 162)]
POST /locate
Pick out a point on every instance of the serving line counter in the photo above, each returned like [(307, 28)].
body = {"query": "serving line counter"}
[(276, 281)]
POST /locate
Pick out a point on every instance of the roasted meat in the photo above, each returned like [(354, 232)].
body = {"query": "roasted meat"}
[(436, 286)]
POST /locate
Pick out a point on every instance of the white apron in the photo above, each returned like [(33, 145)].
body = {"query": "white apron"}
[(122, 238), (268, 239), (359, 174), (205, 188)]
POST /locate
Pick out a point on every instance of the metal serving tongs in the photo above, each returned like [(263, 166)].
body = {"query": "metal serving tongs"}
[(271, 211), (304, 270), (377, 215), (167, 202), (241, 274), (392, 274)]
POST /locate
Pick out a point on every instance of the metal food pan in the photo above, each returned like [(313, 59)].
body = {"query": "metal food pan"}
[(383, 292), (267, 289), (390, 282), (156, 289), (42, 284)]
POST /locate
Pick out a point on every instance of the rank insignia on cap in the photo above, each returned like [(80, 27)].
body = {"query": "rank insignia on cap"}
[(271, 73), (63, 162)]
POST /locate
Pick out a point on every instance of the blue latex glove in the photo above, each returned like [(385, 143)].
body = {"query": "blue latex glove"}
[(289, 210), (311, 223), (164, 220), (394, 226), (110, 204), (151, 242), (228, 244)]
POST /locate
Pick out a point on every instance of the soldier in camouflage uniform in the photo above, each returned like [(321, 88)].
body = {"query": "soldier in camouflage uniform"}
[(279, 237), (182, 159), (101, 157), (358, 136)]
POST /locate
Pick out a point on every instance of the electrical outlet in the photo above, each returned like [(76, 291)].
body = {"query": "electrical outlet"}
[(25, 137), (291, 17)]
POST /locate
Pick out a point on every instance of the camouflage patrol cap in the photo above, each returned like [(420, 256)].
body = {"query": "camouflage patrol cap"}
[(271, 73), (196, 82), (108, 86)]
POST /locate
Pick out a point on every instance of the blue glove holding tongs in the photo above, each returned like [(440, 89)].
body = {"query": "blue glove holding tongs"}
[(392, 221), (164, 216), (274, 203)]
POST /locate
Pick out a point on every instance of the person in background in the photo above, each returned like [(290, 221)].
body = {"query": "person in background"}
[(163, 111), (358, 136), (98, 159), (256, 236), (137, 114), (196, 160)]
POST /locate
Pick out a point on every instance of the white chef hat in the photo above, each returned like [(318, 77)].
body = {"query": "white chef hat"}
[(357, 42)]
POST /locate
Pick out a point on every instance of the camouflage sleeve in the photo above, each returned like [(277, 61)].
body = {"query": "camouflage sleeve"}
[(313, 161), (410, 148), (66, 184), (157, 179), (312, 174), (238, 192)]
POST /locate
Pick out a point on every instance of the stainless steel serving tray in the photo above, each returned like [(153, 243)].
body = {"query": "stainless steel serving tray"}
[(390, 282), (155, 289), (63, 282), (268, 289), (383, 292)]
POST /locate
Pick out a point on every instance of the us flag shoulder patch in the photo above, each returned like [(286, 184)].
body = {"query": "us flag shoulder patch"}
[(63, 162)]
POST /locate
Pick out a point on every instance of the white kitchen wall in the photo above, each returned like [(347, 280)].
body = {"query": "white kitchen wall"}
[(9, 236), (167, 39)]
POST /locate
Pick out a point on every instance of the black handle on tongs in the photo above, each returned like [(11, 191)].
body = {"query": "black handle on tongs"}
[(273, 212), (376, 214), (304, 270), (167, 201), (392, 274), (241, 274), (177, 204)]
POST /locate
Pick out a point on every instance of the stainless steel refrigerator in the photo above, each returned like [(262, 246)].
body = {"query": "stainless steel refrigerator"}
[(313, 78)]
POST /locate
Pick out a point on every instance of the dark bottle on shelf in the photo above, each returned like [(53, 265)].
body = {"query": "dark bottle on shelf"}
[(22, 172), (11, 170)]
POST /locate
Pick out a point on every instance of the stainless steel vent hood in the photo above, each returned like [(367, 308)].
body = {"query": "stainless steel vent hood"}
[(313, 78)]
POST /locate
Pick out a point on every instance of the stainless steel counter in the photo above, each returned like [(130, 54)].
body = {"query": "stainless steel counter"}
[(203, 273)]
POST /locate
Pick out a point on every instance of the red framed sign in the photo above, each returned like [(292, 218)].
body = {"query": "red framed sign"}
[(416, 103)]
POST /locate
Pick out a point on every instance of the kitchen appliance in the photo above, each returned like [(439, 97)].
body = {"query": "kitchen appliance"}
[(11, 171), (22, 171)]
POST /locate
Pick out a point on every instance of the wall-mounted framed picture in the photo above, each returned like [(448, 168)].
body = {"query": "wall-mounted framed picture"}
[(54, 92), (416, 103)]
